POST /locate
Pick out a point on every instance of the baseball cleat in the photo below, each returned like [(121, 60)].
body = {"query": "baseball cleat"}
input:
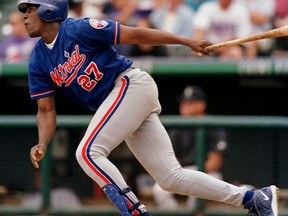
[(264, 202)]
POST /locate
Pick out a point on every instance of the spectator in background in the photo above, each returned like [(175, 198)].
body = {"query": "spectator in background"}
[(192, 104), (76, 8), (176, 17), (123, 11), (60, 197), (281, 19), (261, 15), (223, 20), (157, 3), (86, 8), (145, 49), (195, 4), (17, 46), (94, 8)]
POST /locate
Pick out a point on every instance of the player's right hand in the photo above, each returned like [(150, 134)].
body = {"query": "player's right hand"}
[(37, 152), (198, 46)]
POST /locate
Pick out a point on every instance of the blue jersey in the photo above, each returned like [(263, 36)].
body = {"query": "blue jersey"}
[(82, 63)]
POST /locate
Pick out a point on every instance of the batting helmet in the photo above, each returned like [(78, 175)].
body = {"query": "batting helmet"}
[(49, 10)]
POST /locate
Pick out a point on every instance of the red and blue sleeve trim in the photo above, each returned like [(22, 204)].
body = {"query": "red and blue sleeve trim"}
[(41, 94), (116, 33)]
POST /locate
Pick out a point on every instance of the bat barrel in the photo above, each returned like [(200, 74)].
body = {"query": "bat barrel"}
[(278, 32)]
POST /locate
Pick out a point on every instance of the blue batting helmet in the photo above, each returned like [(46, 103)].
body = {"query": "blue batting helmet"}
[(49, 10)]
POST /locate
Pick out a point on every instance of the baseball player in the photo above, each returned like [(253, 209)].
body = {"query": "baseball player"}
[(77, 57)]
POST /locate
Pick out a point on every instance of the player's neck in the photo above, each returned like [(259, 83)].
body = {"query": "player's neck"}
[(50, 32), (51, 45)]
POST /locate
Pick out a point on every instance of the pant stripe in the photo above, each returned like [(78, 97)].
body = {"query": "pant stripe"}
[(87, 146)]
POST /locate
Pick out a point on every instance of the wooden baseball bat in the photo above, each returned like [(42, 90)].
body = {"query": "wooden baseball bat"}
[(277, 32)]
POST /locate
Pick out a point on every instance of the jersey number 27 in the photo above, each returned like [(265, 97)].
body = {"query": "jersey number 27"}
[(89, 80)]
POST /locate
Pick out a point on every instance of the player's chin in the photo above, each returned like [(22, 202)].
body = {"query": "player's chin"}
[(32, 33)]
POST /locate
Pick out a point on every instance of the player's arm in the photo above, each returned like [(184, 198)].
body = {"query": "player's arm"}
[(139, 35), (214, 161), (46, 123)]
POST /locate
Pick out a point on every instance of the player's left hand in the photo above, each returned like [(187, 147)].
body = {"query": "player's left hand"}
[(37, 152)]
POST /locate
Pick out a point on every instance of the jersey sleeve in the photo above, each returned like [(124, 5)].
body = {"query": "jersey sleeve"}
[(103, 31), (40, 85)]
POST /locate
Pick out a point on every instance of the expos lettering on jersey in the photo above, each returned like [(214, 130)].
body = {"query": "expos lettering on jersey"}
[(65, 73)]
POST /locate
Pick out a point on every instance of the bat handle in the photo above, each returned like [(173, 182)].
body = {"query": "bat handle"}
[(213, 47)]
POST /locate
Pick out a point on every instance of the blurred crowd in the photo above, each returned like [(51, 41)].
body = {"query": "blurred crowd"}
[(213, 20)]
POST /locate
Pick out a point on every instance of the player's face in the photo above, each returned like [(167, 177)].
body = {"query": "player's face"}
[(192, 108), (225, 3), (32, 22)]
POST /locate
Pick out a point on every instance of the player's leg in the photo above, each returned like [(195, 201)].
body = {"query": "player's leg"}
[(152, 147), (164, 199), (131, 100), (167, 200)]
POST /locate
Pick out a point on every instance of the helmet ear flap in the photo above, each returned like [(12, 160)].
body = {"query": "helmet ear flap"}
[(47, 13)]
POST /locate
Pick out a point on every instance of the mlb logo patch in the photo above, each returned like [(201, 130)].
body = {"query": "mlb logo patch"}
[(98, 24)]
